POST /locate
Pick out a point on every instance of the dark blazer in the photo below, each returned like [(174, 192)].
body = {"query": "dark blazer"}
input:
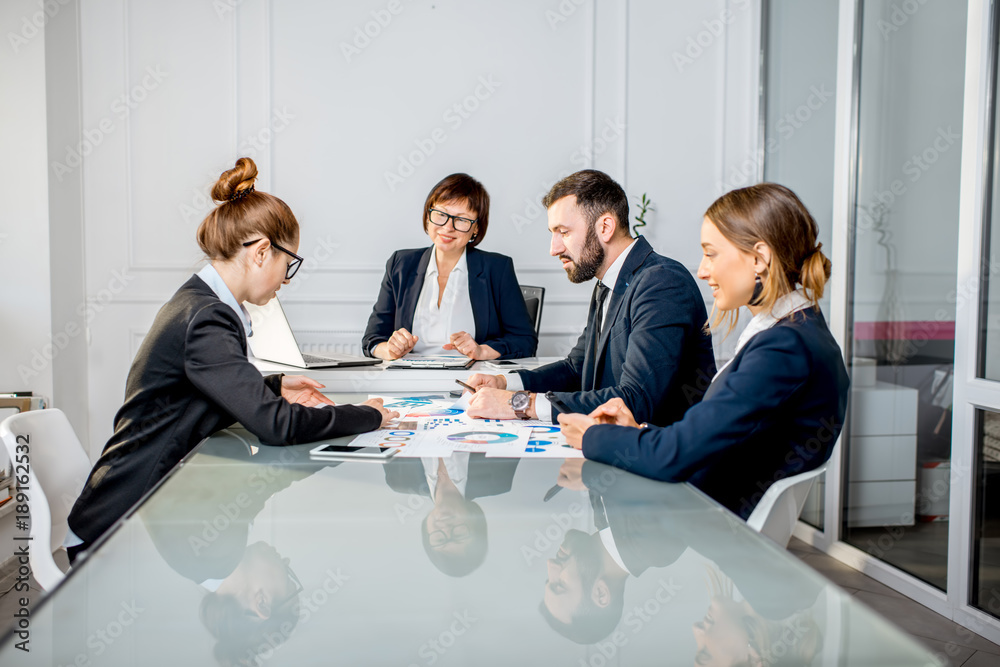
[(775, 411), (653, 353), (491, 477), (498, 308), (190, 379)]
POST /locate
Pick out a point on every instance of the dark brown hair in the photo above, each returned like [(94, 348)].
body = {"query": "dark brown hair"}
[(773, 214), (462, 187), (243, 214), (596, 193)]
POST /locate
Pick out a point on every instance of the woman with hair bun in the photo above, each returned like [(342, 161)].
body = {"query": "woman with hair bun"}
[(776, 408), (191, 376)]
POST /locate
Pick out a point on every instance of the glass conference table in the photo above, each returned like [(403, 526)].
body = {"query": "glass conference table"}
[(251, 555)]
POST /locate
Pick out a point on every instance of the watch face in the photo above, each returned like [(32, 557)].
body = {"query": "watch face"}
[(520, 401)]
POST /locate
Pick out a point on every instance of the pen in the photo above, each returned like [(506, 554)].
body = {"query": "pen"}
[(551, 493), (470, 388), (560, 406)]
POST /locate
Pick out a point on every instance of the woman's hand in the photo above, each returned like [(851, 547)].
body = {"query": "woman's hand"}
[(304, 391), (614, 412), (465, 344), (401, 342), (574, 426), (387, 415)]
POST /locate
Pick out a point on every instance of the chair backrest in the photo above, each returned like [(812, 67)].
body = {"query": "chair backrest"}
[(534, 298), (778, 511), (43, 443)]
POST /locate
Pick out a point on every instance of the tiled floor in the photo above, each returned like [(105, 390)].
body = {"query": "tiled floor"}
[(951, 642), (958, 646)]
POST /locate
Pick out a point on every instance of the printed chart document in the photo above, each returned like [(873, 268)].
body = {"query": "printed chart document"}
[(434, 425)]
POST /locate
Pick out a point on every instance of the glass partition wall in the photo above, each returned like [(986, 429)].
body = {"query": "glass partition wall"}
[(902, 308), (913, 496)]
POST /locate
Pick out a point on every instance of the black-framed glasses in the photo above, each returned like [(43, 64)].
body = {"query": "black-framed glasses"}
[(440, 218), (293, 266), (460, 534), (297, 588)]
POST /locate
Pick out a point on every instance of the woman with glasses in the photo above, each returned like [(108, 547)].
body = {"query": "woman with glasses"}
[(191, 377), (451, 298)]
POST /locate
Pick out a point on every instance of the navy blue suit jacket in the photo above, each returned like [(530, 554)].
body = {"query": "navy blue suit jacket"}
[(502, 320), (775, 411), (653, 353)]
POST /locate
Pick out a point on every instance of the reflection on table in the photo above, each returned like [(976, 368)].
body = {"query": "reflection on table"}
[(251, 555)]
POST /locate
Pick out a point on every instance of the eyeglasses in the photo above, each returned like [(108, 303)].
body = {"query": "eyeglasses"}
[(293, 266), (460, 534), (440, 218), (281, 604)]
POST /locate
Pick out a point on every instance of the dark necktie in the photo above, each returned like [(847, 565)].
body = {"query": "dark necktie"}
[(600, 294)]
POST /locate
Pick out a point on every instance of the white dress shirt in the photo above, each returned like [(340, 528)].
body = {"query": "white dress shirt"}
[(433, 325), (514, 383), (457, 466), (783, 307)]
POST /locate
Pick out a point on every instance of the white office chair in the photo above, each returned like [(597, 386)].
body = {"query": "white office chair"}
[(778, 511), (58, 469)]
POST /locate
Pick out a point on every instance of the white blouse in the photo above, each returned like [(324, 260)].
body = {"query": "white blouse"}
[(432, 325)]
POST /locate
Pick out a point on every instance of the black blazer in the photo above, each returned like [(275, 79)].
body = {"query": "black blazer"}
[(775, 411), (498, 308), (653, 352), (190, 379), (491, 477)]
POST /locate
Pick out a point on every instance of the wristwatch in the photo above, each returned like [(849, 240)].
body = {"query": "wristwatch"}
[(521, 401)]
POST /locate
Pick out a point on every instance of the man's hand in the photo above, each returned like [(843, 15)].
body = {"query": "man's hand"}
[(483, 380), (574, 426), (571, 475), (614, 412), (490, 403), (401, 342), (387, 415), (304, 391)]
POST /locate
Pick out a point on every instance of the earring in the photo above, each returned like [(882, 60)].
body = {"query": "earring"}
[(758, 289)]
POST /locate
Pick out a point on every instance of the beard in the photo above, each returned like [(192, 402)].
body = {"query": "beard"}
[(590, 260)]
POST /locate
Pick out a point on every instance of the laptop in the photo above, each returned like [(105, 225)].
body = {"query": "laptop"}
[(273, 340)]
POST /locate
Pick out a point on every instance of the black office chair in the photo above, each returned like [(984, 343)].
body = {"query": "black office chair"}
[(534, 297)]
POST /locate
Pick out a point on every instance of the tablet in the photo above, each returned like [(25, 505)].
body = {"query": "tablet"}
[(338, 452)]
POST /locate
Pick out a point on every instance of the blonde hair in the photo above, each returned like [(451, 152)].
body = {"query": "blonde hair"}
[(773, 214), (244, 213)]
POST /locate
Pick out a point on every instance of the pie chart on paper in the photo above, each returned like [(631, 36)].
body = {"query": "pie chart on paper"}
[(481, 437)]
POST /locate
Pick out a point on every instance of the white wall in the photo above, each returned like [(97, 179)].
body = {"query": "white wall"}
[(24, 231), (659, 94), (25, 331)]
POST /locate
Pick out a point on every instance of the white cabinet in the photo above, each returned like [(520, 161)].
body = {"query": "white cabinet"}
[(882, 456)]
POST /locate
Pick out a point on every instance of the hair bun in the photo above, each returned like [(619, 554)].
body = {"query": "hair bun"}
[(236, 182)]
